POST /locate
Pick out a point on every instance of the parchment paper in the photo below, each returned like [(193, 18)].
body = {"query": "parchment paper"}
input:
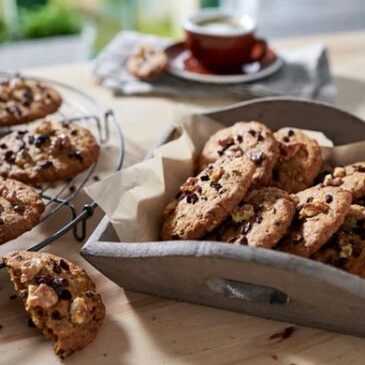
[(134, 198)]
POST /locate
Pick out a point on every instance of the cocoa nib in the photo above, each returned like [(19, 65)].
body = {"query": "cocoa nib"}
[(192, 198), (217, 186)]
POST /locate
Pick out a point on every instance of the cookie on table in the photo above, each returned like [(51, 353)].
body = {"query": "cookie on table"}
[(24, 100), (346, 249), (60, 298), (320, 212), (350, 177), (260, 220), (251, 138), (299, 163), (147, 62), (204, 201), (47, 151), (20, 209)]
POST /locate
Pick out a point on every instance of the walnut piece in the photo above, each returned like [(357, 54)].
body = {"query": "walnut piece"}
[(313, 208), (78, 311), (42, 296), (216, 174), (244, 213), (30, 269)]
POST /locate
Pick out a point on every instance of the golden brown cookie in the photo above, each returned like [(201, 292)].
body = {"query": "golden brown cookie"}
[(260, 220), (24, 100), (147, 62), (20, 209), (320, 213), (47, 151), (60, 298), (299, 163), (350, 177), (251, 138), (204, 201), (346, 249)]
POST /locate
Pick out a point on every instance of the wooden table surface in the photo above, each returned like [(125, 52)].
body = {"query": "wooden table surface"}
[(141, 329)]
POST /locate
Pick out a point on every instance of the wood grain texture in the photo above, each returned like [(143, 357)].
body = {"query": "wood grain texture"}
[(142, 329)]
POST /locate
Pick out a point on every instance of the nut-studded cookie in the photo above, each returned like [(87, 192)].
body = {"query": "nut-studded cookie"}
[(24, 100), (260, 220), (299, 162), (320, 213), (350, 177), (204, 201), (47, 151), (20, 209), (60, 298), (346, 249), (251, 138), (147, 62)]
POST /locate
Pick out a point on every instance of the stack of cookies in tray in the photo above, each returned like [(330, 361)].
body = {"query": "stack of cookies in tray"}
[(40, 152), (272, 190)]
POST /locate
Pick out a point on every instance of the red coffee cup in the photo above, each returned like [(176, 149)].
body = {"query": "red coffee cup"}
[(223, 42)]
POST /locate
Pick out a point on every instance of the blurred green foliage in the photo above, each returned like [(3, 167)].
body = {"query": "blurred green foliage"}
[(3, 31), (47, 21)]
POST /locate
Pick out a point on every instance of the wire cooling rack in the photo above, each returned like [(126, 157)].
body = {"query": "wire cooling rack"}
[(89, 112)]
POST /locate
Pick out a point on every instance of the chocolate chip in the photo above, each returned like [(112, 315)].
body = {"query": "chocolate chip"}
[(31, 140), (45, 164), (63, 294), (9, 156), (89, 294), (1, 221), (252, 132), (310, 199), (204, 178), (216, 185), (239, 138), (245, 227), (258, 220), (31, 323), (19, 208), (260, 137), (96, 178), (56, 315), (22, 132), (41, 140), (290, 133), (76, 155), (3, 146), (43, 280), (328, 198), (14, 110), (65, 266), (192, 198), (59, 282), (55, 267), (74, 132), (286, 139), (257, 156), (13, 296), (359, 168), (242, 240)]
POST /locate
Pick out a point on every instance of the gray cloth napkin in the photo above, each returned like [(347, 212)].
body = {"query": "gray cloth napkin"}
[(305, 74)]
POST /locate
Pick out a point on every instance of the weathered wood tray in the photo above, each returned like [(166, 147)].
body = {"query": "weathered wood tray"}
[(255, 281)]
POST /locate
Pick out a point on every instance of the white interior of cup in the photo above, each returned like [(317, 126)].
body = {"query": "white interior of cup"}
[(198, 23)]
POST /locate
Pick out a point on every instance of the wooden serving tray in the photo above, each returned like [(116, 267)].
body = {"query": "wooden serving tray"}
[(254, 281)]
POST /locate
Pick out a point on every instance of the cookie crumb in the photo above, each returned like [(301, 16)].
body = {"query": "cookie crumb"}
[(285, 334), (13, 296)]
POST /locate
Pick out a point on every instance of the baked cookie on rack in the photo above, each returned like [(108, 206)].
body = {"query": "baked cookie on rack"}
[(346, 249), (260, 220), (47, 151), (251, 138), (60, 298), (320, 212), (299, 162), (24, 100), (350, 177), (204, 201), (20, 209)]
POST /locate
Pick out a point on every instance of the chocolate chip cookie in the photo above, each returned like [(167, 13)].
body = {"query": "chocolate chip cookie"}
[(346, 249), (350, 177), (204, 201), (60, 298), (299, 162), (20, 209), (250, 138), (260, 220), (147, 62), (24, 100), (320, 212), (47, 151)]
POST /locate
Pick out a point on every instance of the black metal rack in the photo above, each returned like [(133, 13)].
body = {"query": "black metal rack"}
[(84, 109)]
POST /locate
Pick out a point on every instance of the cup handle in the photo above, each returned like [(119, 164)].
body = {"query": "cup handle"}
[(258, 50)]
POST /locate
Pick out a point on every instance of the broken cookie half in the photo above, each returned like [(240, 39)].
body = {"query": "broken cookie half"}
[(60, 298)]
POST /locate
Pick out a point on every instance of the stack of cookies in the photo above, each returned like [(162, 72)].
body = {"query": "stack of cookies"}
[(44, 151), (272, 190)]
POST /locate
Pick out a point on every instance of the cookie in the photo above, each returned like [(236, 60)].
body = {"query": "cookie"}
[(147, 62), (20, 209), (60, 298), (24, 100), (260, 220), (299, 163), (204, 201), (251, 138), (320, 212), (346, 249), (350, 177), (47, 151)]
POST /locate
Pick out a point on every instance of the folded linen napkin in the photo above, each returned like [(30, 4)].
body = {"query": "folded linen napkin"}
[(305, 73)]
